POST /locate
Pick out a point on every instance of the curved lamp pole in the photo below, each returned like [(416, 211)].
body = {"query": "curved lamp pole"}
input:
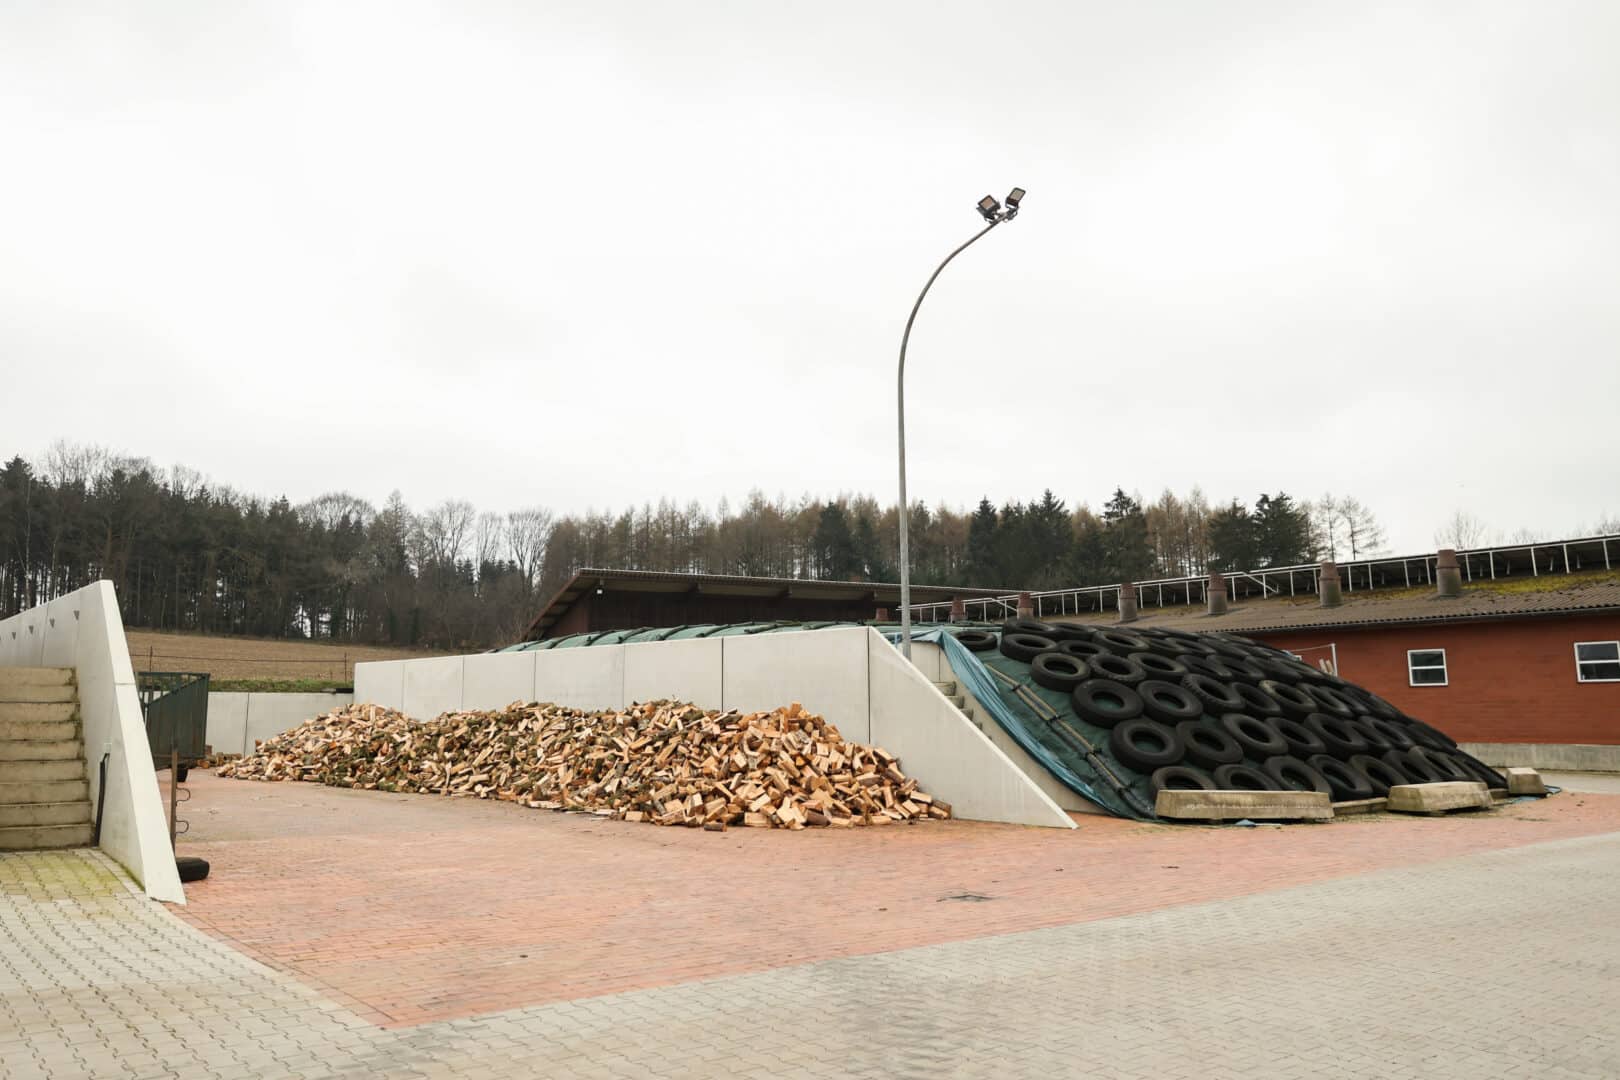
[(994, 214)]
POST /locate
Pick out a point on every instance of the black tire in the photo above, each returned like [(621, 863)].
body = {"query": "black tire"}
[(1393, 733), (1445, 764), (1145, 745), (1085, 650), (1068, 631), (1029, 626), (1376, 742), (1242, 669), (1275, 671), (1256, 702), (191, 868), (1294, 701), (1213, 666), (1105, 702), (1375, 705), (1208, 745), (1159, 666), (1121, 641), (1018, 645), (1302, 741), (1340, 737), (1330, 701), (1292, 774), (1243, 778), (1167, 702), (1057, 671), (1216, 695), (976, 640), (181, 773), (1431, 736), (1481, 771), (1122, 669), (1379, 773), (1418, 768), (1179, 778), (1257, 737), (1346, 783)]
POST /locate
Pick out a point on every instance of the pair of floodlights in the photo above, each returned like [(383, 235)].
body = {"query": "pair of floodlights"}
[(992, 211)]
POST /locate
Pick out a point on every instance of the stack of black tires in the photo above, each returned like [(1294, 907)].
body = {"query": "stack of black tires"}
[(1218, 711)]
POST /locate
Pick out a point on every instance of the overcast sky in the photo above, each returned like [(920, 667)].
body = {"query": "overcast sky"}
[(589, 254)]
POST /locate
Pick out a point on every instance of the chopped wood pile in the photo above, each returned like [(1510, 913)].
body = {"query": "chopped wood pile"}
[(661, 762)]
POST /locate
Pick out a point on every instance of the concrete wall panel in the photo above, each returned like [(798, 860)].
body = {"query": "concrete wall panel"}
[(432, 686), (495, 680), (947, 754), (227, 722), (61, 645), (583, 678), (686, 670), (271, 714), (824, 670), (381, 682)]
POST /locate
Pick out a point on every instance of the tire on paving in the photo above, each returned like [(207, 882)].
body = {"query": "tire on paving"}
[(1339, 736), (1330, 701), (1122, 669), (191, 868), (1381, 774), (1029, 626), (1216, 695), (1294, 701), (977, 640), (1209, 745), (1121, 641), (1159, 666), (1257, 737), (1145, 745), (1346, 783), (1243, 778), (1085, 650), (1105, 702), (1292, 774), (1179, 778), (1256, 702), (1017, 645), (1167, 702), (1393, 733), (1058, 671), (1302, 741)]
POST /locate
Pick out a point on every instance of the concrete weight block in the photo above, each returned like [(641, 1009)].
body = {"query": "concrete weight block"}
[(1524, 782), (1438, 798), (1237, 805)]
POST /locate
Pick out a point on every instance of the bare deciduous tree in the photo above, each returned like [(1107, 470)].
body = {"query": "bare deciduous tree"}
[(1462, 530)]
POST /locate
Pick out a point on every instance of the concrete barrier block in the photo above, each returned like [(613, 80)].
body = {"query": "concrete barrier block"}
[(1237, 805), (1524, 782), (432, 687), (495, 680), (1437, 798), (684, 670)]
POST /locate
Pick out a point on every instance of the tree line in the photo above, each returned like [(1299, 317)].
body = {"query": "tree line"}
[(186, 554)]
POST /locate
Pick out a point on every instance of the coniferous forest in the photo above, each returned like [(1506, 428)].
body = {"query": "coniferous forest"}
[(191, 555)]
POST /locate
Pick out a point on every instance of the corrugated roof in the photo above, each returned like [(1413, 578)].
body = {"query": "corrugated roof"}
[(1572, 594)]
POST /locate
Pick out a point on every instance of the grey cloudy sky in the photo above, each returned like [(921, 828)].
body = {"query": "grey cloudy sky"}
[(588, 254)]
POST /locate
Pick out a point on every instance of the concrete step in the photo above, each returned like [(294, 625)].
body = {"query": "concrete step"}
[(40, 750), (13, 792), (959, 701), (34, 676), (36, 771), (36, 837), (38, 730), (30, 692), (946, 688), (76, 812), (37, 712)]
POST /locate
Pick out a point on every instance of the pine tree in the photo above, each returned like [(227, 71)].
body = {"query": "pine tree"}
[(982, 568)]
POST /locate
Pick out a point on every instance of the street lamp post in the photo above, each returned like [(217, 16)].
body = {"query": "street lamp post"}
[(994, 214)]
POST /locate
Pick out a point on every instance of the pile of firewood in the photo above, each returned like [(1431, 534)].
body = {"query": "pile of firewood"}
[(662, 762)]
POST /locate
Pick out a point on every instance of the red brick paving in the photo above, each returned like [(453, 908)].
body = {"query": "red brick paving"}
[(411, 908)]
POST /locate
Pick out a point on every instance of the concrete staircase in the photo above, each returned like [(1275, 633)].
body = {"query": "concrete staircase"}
[(949, 689), (44, 790)]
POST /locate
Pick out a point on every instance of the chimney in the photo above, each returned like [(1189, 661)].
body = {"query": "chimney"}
[(1447, 574), (1217, 593), (1026, 606), (958, 610), (1329, 590), (882, 615), (1127, 602)]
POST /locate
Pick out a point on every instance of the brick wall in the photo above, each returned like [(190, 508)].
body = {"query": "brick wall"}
[(1509, 680)]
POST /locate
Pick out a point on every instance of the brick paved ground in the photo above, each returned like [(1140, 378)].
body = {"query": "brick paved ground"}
[(1496, 964), (410, 908)]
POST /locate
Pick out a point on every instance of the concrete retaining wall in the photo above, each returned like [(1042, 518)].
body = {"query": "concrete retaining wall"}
[(84, 631), (236, 720), (1554, 757), (850, 675)]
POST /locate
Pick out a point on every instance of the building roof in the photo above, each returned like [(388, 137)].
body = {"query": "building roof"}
[(1564, 594), (655, 581)]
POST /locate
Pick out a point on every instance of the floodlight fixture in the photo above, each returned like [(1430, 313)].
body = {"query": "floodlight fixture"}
[(988, 207)]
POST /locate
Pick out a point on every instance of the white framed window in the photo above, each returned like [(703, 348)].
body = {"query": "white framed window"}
[(1426, 667), (1597, 661)]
